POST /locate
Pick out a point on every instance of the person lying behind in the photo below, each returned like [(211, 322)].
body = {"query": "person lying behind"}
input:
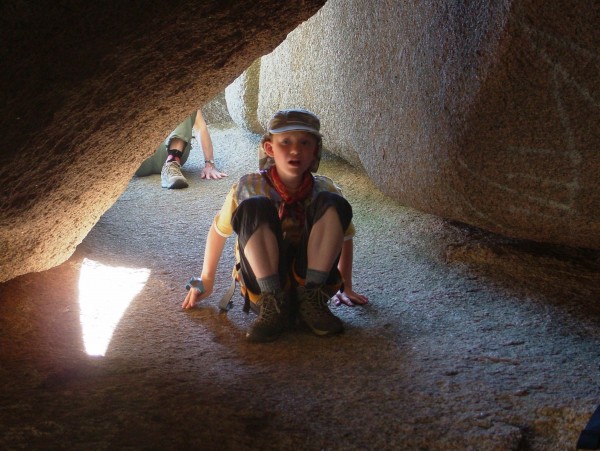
[(175, 150)]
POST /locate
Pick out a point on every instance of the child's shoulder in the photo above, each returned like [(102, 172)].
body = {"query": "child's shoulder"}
[(322, 182), (322, 178), (250, 177), (251, 184)]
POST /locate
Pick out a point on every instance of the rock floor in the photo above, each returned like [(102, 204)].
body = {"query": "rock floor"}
[(471, 341)]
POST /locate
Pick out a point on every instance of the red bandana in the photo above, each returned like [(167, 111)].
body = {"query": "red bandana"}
[(292, 204)]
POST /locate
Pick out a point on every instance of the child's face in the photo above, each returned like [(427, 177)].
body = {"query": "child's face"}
[(294, 153)]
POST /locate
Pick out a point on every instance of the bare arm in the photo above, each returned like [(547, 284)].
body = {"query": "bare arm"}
[(215, 244), (209, 171), (348, 296), (345, 263)]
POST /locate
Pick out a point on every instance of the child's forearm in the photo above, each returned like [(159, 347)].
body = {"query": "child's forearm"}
[(215, 244), (205, 139), (345, 263)]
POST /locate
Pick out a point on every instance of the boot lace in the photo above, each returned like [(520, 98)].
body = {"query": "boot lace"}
[(269, 308), (316, 304)]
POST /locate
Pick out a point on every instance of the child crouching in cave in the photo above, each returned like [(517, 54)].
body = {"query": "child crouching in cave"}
[(294, 235)]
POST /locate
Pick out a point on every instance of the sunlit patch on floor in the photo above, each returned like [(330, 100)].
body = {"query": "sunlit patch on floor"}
[(105, 292)]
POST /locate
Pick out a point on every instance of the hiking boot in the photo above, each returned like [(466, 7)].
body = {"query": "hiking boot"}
[(171, 176), (314, 311), (272, 318)]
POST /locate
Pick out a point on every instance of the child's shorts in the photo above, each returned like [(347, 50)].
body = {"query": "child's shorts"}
[(255, 211)]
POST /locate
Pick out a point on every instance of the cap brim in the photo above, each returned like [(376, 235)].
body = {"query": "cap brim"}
[(295, 127)]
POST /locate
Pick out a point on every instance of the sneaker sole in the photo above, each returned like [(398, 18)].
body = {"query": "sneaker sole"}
[(177, 184), (324, 333), (269, 339)]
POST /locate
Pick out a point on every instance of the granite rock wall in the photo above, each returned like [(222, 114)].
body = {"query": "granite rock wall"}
[(89, 89), (485, 112), (242, 99), (481, 112)]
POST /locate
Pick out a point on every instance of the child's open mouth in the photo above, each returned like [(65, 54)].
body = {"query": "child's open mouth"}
[(294, 163)]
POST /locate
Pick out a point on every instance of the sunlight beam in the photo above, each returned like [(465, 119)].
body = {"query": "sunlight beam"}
[(105, 292)]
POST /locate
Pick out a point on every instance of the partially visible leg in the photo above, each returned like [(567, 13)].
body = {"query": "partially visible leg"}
[(325, 242), (257, 225), (327, 220), (180, 142), (262, 252), (259, 240), (170, 156), (179, 139), (154, 163), (178, 150)]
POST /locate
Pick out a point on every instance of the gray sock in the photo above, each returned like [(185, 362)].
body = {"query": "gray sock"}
[(269, 284), (314, 277)]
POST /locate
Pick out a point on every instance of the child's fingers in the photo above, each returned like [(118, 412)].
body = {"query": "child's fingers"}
[(189, 300), (360, 299), (350, 299), (341, 298), (193, 296)]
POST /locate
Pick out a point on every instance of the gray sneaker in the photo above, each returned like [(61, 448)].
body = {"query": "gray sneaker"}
[(314, 311), (171, 176), (272, 318)]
